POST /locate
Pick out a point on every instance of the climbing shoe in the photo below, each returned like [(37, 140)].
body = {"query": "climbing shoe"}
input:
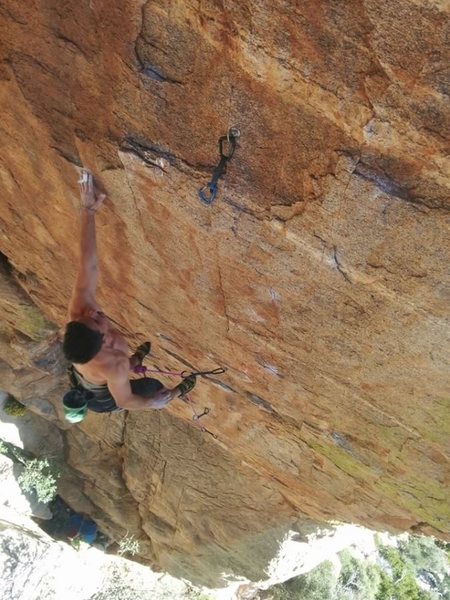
[(186, 385), (142, 351)]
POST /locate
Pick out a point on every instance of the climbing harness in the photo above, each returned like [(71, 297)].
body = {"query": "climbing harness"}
[(227, 146), (143, 370)]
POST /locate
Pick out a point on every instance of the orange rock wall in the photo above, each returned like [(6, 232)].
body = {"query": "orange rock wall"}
[(318, 278)]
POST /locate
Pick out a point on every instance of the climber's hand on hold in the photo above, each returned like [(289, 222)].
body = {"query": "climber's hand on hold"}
[(137, 358), (91, 198), (142, 351)]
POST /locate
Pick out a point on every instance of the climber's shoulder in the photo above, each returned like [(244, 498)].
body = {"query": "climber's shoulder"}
[(111, 364)]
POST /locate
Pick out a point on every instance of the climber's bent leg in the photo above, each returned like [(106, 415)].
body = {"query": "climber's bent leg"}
[(146, 387)]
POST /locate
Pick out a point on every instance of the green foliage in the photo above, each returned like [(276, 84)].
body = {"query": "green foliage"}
[(75, 542), (196, 595), (41, 477), (15, 453), (402, 585), (443, 545), (14, 408), (358, 580), (128, 545), (33, 323), (422, 553), (392, 556), (363, 580), (404, 588), (318, 584), (428, 557)]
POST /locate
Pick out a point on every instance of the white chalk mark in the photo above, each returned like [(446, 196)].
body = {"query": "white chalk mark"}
[(271, 369), (274, 295)]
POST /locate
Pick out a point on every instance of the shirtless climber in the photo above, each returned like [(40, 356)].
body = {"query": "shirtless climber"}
[(98, 352)]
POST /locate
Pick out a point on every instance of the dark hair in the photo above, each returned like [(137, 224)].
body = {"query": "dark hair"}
[(81, 343)]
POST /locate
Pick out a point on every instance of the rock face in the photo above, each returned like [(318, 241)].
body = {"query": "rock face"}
[(33, 565), (318, 278)]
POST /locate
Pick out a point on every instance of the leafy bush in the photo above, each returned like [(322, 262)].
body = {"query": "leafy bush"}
[(196, 595), (128, 545), (402, 585), (422, 553), (428, 560), (318, 584), (75, 542), (358, 580), (14, 408), (416, 560), (41, 477)]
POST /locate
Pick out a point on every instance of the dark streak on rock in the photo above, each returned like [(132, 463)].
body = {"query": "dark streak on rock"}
[(71, 44), (150, 71), (220, 384), (5, 265), (179, 358), (387, 185), (224, 299), (9, 15), (258, 401), (154, 73), (73, 160), (149, 153), (341, 441), (339, 266), (324, 243), (246, 210), (165, 337)]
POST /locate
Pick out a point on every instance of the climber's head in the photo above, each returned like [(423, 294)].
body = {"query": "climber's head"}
[(82, 341)]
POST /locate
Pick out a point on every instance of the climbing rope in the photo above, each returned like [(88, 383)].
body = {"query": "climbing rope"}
[(143, 370), (227, 146)]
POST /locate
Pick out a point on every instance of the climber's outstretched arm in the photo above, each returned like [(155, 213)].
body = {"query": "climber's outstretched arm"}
[(83, 295)]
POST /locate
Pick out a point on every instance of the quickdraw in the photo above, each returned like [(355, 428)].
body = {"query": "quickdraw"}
[(204, 430), (217, 371), (143, 370), (196, 417), (208, 193)]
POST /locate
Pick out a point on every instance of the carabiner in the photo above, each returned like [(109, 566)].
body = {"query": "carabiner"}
[(231, 141), (212, 193), (217, 371), (233, 132), (196, 417)]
